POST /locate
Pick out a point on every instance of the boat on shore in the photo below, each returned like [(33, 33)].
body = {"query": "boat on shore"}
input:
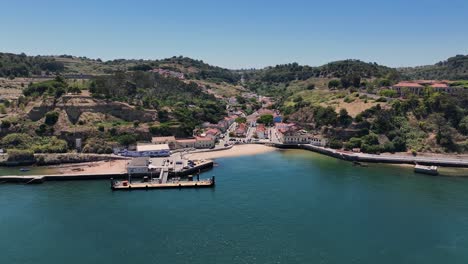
[(429, 170)]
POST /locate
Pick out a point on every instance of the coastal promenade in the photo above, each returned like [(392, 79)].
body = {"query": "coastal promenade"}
[(385, 158)]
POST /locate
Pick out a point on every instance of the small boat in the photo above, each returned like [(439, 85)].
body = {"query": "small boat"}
[(430, 170), (357, 163), (24, 169)]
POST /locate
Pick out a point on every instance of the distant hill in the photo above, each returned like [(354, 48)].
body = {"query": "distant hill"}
[(362, 69), (293, 71), (454, 68), (21, 65)]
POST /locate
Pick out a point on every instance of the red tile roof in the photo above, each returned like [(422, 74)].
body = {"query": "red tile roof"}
[(408, 84), (439, 85), (188, 140), (204, 139)]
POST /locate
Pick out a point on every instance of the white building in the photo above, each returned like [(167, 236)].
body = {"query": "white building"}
[(185, 143), (138, 165), (171, 141), (205, 142)]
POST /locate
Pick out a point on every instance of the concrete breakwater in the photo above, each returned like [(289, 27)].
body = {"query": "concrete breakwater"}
[(383, 158)]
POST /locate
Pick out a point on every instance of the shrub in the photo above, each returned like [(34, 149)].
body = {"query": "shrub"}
[(127, 139), (5, 124), (373, 149), (50, 145), (51, 118), (17, 141), (388, 93), (2, 109), (20, 155), (101, 128), (97, 145), (335, 144)]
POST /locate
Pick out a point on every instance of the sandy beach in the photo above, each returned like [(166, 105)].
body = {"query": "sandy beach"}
[(235, 151), (99, 167)]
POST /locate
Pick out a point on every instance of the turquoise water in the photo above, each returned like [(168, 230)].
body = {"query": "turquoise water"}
[(281, 207)]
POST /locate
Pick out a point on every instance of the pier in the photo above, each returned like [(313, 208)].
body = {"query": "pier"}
[(165, 174), (125, 185), (384, 158)]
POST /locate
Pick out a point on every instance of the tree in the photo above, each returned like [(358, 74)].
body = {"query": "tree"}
[(20, 155), (51, 118), (265, 119), (126, 139), (335, 144), (463, 125), (399, 144), (311, 86), (344, 119), (334, 84), (241, 120), (17, 141), (346, 82), (5, 124)]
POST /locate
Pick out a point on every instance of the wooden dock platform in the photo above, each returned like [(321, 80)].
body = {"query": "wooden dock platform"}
[(125, 185)]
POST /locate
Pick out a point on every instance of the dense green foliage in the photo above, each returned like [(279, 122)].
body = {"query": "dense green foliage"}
[(442, 115), (56, 87), (347, 70), (51, 118), (37, 144), (13, 65), (265, 119), (188, 103), (20, 155), (358, 68), (97, 145), (453, 68)]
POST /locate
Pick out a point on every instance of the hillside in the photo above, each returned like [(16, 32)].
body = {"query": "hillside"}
[(454, 68), (21, 65), (293, 71)]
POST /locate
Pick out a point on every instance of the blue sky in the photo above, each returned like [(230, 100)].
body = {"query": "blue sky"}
[(241, 33)]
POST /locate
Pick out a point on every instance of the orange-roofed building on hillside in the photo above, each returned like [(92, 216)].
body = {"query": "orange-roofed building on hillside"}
[(417, 87), (404, 87), (213, 133), (261, 131), (241, 130)]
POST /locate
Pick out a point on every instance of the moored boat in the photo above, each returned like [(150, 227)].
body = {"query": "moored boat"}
[(430, 170)]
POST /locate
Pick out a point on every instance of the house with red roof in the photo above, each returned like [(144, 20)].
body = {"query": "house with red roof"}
[(417, 87), (213, 133), (261, 131), (241, 130), (408, 87), (204, 142)]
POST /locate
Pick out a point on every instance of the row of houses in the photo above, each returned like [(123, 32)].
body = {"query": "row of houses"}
[(222, 125), (418, 87), (168, 73), (196, 142)]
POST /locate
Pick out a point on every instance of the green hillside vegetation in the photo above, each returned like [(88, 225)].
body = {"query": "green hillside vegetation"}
[(453, 68), (13, 65), (175, 100), (338, 69)]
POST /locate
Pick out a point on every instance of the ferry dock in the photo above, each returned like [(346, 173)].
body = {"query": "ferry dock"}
[(155, 184), (169, 168)]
